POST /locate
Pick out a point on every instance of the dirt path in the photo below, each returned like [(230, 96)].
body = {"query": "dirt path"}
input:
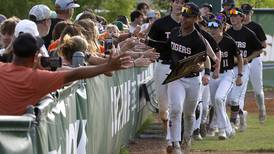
[(153, 141)]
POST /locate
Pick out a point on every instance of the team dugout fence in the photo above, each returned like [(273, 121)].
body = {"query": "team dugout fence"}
[(93, 116)]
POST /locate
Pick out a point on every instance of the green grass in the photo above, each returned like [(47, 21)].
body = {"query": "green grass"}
[(257, 138)]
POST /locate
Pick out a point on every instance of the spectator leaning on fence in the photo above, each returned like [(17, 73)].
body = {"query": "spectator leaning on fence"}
[(23, 84)]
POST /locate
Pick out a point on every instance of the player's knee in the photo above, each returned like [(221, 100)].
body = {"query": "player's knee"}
[(219, 100), (175, 109)]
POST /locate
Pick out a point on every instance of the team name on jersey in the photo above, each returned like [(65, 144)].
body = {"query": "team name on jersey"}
[(224, 54), (241, 45), (180, 48)]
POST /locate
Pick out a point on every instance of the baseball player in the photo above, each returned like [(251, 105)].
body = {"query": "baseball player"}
[(250, 48), (183, 93), (160, 33), (256, 66), (204, 96), (220, 87)]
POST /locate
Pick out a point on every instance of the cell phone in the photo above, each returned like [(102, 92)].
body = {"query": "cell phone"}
[(51, 62), (108, 44)]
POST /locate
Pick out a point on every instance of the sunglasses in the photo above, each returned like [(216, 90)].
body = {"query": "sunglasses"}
[(213, 24), (234, 12), (186, 10)]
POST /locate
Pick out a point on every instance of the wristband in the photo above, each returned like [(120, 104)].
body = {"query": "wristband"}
[(207, 71)]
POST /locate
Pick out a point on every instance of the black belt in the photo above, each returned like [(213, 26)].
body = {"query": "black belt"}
[(192, 75)]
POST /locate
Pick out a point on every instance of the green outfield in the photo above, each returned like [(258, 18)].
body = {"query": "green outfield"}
[(257, 138)]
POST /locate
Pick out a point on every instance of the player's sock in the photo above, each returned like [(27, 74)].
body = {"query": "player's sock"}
[(234, 113)]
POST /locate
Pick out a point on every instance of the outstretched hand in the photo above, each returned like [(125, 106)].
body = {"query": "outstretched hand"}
[(122, 61)]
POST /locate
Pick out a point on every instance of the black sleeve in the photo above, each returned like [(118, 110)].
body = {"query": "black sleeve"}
[(255, 42), (261, 34), (235, 49)]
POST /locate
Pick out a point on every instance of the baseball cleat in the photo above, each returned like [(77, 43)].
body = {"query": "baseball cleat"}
[(262, 116), (222, 135), (243, 121)]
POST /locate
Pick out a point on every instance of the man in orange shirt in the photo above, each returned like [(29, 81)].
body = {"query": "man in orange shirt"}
[(21, 84)]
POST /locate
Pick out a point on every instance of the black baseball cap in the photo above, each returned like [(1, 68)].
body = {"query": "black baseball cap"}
[(25, 45), (247, 8), (208, 6), (230, 3), (190, 10)]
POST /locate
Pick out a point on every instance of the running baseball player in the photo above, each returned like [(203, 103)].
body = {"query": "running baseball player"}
[(220, 87), (256, 66), (159, 34), (250, 48)]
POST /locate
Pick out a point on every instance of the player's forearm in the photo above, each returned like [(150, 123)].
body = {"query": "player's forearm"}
[(240, 63), (210, 52), (254, 55), (263, 44)]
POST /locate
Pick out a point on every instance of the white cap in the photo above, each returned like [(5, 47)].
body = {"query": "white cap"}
[(41, 12), (26, 26), (66, 4)]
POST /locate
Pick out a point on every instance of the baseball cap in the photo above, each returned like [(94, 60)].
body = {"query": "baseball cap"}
[(151, 14), (228, 3), (25, 45), (41, 12), (26, 26), (66, 4), (247, 8), (2, 18), (190, 10), (208, 6)]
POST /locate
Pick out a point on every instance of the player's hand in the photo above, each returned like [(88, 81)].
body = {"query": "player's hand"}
[(151, 54), (205, 80), (239, 81), (246, 61), (215, 75)]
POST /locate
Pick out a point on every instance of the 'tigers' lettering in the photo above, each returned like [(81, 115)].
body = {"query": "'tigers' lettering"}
[(180, 48)]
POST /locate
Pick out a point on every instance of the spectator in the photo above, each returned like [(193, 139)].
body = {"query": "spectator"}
[(72, 45), (6, 32), (56, 33), (123, 19), (42, 15), (143, 7), (151, 17), (22, 84), (136, 18), (64, 10)]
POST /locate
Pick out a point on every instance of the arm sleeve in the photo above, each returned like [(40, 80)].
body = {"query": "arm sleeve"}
[(255, 42), (261, 34)]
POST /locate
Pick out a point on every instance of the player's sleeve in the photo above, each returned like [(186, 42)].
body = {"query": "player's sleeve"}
[(255, 43), (234, 47), (211, 41), (261, 34)]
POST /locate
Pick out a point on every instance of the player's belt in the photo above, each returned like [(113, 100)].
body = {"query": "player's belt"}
[(166, 62), (192, 75)]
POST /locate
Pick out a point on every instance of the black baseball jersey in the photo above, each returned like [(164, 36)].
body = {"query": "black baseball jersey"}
[(257, 29), (229, 50), (160, 31), (183, 47), (246, 40)]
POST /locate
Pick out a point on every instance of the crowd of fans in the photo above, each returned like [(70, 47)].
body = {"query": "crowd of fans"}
[(66, 43)]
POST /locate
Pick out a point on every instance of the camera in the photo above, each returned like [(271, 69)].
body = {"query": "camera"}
[(51, 62), (108, 44)]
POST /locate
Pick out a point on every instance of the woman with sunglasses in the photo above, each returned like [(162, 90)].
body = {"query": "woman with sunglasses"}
[(250, 48), (220, 87)]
